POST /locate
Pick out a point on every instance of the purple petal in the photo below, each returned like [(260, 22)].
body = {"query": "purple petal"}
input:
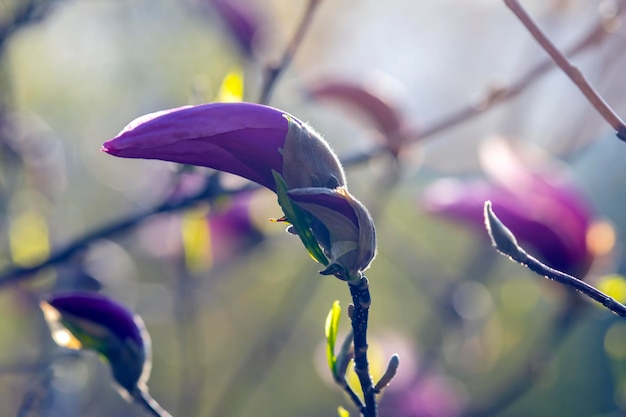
[(325, 198), (99, 309), (514, 168), (240, 138), (350, 228), (241, 20), (232, 229)]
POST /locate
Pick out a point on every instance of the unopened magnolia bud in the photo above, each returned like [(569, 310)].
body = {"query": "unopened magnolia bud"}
[(350, 240), (390, 372), (501, 237), (82, 320), (308, 161)]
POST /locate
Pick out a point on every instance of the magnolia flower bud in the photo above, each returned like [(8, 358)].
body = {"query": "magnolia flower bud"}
[(348, 236), (81, 320), (267, 146)]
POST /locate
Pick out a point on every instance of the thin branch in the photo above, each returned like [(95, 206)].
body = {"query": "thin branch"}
[(362, 300), (356, 400), (273, 72), (36, 393), (15, 273), (144, 399), (493, 94), (569, 69), (28, 12), (505, 242)]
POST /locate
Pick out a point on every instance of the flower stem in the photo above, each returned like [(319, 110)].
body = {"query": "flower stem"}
[(569, 69), (36, 393), (354, 397), (273, 72), (362, 300), (146, 401)]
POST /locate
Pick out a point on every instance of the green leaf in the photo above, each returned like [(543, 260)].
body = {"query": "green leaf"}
[(342, 412), (330, 331), (299, 219)]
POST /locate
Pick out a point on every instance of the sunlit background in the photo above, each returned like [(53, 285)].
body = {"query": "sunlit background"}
[(234, 305)]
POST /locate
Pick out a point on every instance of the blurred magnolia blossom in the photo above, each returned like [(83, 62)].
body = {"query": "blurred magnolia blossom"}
[(242, 19), (275, 150), (428, 395), (85, 320), (535, 198), (232, 229), (203, 236), (217, 235)]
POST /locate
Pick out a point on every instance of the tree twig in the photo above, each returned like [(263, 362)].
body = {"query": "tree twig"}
[(144, 399), (15, 273), (27, 12), (505, 242), (569, 69), (36, 393), (493, 94), (273, 72), (362, 300)]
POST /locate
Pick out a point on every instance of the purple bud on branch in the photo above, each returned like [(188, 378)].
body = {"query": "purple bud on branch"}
[(254, 141), (82, 320)]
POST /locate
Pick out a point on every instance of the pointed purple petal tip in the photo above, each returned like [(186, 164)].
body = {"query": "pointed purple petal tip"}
[(107, 147), (244, 139)]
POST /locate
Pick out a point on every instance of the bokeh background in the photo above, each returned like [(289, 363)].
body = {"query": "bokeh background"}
[(234, 305)]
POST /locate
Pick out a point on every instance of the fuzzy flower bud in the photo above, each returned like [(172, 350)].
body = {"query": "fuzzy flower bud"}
[(273, 149), (82, 320)]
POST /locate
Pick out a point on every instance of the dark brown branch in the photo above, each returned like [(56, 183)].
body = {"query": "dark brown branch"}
[(362, 300)]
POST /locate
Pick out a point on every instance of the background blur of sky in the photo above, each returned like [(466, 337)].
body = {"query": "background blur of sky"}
[(77, 78)]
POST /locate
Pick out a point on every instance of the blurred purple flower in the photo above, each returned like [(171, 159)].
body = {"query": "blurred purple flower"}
[(256, 142), (540, 206), (241, 19), (100, 323), (431, 395), (231, 229)]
